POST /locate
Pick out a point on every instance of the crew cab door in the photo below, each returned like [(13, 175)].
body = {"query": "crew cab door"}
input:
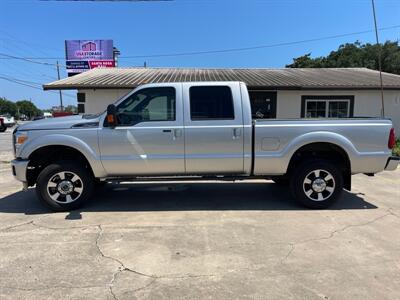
[(148, 139), (213, 128)]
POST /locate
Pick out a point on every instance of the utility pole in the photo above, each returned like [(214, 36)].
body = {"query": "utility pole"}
[(58, 76), (379, 58)]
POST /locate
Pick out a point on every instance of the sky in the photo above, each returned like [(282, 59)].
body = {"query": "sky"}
[(33, 28)]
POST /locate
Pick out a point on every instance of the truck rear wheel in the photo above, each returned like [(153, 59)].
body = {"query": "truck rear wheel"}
[(317, 183), (64, 186), (3, 128)]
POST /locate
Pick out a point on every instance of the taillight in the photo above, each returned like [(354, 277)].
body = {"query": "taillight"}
[(392, 139)]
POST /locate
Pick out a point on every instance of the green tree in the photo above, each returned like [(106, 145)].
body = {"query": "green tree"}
[(28, 108), (71, 108), (7, 107), (354, 55)]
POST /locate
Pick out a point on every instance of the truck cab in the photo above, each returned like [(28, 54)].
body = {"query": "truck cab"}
[(158, 133)]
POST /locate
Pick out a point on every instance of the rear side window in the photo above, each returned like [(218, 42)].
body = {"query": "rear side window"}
[(211, 103)]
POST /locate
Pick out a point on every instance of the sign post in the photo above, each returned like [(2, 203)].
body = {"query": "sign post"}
[(58, 75)]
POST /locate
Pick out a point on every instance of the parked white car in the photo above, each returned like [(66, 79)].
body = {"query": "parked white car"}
[(6, 121), (47, 115)]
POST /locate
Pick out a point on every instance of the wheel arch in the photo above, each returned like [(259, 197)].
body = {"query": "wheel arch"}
[(323, 150), (63, 142), (43, 156)]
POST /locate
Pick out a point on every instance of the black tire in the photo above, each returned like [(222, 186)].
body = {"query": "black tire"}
[(81, 188), (281, 181), (323, 190), (3, 128)]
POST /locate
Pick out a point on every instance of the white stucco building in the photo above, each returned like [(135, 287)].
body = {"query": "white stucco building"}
[(275, 93)]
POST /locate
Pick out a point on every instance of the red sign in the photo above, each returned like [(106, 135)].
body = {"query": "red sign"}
[(101, 64), (57, 114)]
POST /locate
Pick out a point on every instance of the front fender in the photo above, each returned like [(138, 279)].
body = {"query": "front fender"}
[(64, 140)]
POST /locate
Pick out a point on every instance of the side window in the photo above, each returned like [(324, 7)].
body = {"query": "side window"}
[(315, 109), (150, 104), (211, 103), (263, 104), (327, 109), (327, 106)]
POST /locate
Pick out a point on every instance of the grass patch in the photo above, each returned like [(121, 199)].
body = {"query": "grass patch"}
[(396, 149)]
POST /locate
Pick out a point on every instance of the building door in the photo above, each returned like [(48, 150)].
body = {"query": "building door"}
[(214, 132), (263, 104)]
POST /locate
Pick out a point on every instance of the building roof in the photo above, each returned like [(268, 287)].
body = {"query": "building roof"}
[(280, 79)]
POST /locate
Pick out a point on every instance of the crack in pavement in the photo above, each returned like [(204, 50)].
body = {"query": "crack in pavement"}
[(15, 226), (390, 210), (51, 287), (22, 224), (64, 228), (331, 235), (123, 268)]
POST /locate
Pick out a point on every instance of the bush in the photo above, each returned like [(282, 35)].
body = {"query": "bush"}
[(396, 149)]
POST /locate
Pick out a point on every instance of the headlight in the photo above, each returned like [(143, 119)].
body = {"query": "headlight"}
[(20, 137)]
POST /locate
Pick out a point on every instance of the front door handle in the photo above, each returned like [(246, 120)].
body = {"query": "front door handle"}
[(176, 133)]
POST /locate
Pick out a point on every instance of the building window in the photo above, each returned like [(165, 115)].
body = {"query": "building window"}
[(327, 106), (81, 108), (339, 109), (81, 97), (263, 104), (211, 103)]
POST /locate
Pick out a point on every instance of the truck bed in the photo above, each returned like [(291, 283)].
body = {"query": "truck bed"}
[(363, 139)]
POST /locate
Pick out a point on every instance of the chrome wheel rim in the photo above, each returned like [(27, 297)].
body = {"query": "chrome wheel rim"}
[(65, 187), (319, 185)]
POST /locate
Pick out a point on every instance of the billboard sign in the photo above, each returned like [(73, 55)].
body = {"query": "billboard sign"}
[(83, 55)]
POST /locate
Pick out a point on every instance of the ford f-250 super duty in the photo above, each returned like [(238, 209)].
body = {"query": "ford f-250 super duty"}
[(196, 130)]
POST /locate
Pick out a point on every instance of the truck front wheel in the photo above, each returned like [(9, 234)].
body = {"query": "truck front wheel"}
[(317, 183), (64, 186)]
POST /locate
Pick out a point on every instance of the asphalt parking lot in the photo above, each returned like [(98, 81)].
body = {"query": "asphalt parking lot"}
[(246, 240)]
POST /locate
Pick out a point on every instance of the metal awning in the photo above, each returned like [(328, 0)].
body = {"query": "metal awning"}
[(276, 79)]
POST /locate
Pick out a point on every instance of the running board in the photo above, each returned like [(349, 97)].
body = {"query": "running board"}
[(181, 178)]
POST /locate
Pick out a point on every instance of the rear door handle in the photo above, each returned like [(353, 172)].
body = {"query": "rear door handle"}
[(237, 132), (177, 133), (167, 130)]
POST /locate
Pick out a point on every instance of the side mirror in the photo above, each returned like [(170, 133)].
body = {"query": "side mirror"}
[(111, 115)]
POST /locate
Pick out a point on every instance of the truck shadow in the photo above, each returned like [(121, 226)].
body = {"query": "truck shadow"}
[(183, 197)]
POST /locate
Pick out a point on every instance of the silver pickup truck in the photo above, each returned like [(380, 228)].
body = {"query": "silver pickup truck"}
[(196, 131)]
